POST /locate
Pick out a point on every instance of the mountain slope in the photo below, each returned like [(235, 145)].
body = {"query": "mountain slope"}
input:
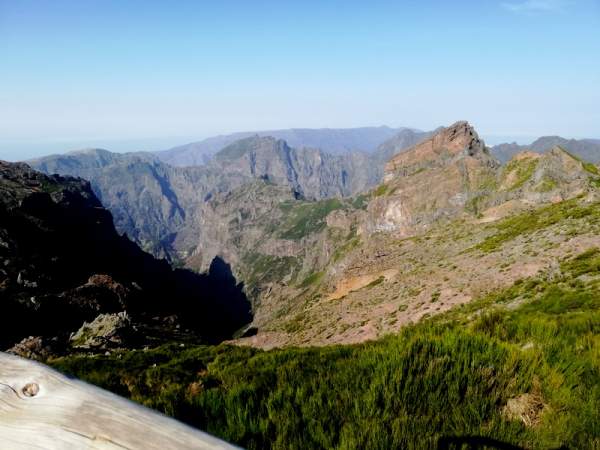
[(515, 369), (325, 272)]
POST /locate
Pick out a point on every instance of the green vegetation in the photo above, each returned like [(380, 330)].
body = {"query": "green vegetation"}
[(547, 184), (50, 187), (360, 201), (345, 248), (538, 219), (381, 190), (474, 204), (591, 168), (306, 218), (522, 169), (312, 279), (487, 182), (265, 268), (464, 373), (375, 282)]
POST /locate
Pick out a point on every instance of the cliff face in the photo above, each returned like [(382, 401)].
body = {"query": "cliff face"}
[(62, 264), (312, 173), (436, 178), (445, 147), (452, 174)]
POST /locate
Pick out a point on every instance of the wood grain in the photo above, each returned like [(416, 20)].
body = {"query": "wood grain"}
[(42, 409)]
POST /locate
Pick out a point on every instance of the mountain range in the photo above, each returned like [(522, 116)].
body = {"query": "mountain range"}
[(330, 140), (161, 207), (279, 214), (461, 292)]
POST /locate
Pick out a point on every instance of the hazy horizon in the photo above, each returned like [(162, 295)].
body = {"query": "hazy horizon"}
[(23, 150)]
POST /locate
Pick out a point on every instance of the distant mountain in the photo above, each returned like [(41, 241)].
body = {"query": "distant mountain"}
[(330, 140), (588, 149), (163, 208), (63, 264), (312, 173)]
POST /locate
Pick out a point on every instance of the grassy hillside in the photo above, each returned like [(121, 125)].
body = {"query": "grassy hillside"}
[(521, 365)]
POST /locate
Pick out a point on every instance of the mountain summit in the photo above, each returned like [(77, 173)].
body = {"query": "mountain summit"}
[(459, 139), (436, 178)]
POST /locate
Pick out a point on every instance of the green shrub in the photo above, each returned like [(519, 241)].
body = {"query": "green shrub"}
[(381, 190), (530, 221), (306, 218)]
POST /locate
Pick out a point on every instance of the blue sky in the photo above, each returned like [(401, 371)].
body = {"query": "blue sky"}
[(132, 75)]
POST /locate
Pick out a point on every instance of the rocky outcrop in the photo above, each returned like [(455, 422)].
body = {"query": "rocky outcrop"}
[(453, 174), (105, 332), (405, 250), (537, 178), (436, 179), (33, 347), (446, 146)]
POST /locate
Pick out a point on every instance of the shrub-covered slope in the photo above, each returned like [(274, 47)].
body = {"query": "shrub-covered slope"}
[(520, 366)]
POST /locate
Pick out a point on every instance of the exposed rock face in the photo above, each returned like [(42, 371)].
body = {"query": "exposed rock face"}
[(32, 347), (458, 140), (537, 178), (63, 263), (453, 173), (435, 179), (404, 140), (312, 173), (447, 197), (105, 332), (307, 263)]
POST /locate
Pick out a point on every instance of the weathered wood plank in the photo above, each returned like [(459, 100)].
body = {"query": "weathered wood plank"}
[(40, 408)]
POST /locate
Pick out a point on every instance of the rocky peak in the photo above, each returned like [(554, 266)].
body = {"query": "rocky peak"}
[(456, 141)]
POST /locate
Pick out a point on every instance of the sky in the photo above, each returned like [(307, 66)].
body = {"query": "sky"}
[(145, 75)]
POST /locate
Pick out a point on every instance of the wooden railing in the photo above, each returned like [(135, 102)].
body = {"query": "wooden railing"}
[(40, 408)]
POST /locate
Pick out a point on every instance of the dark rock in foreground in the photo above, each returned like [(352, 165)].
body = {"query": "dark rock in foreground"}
[(62, 264)]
